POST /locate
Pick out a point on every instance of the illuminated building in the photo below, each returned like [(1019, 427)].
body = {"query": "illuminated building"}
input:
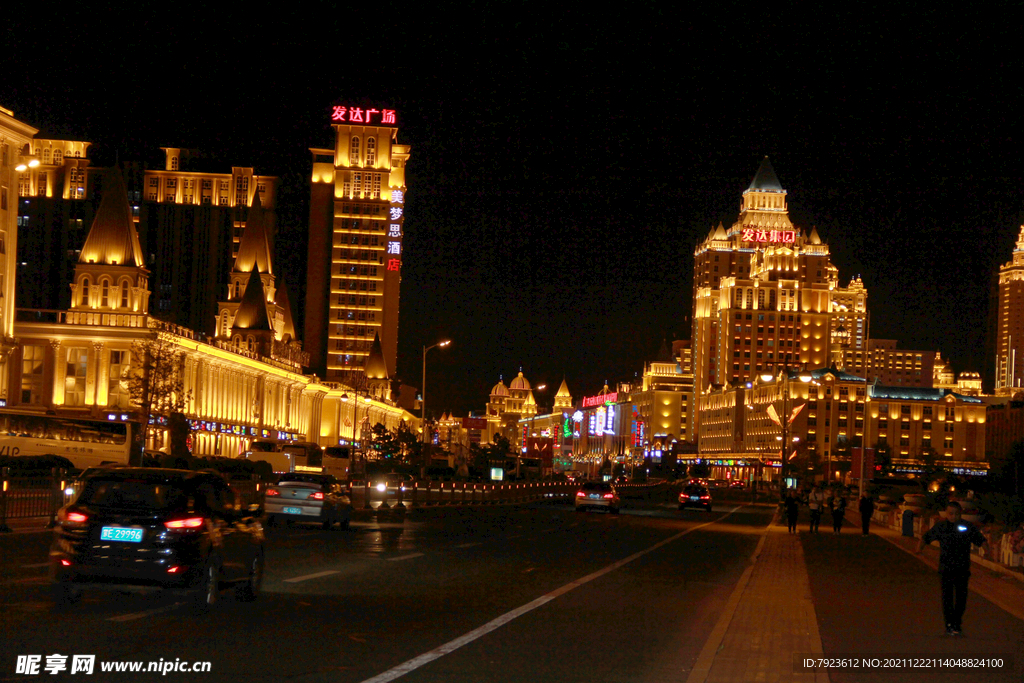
[(837, 411), (1010, 323), (16, 168), (507, 406), (249, 385), (762, 292), (850, 323), (889, 365), (356, 219)]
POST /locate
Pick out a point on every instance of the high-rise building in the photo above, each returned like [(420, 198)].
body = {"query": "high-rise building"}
[(356, 216), (762, 292), (1010, 323), (850, 322)]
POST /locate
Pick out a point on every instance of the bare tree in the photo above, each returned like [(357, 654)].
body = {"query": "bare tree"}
[(156, 383)]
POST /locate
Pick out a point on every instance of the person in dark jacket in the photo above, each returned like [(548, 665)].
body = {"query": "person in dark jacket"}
[(867, 508), (792, 504), (955, 538), (838, 507)]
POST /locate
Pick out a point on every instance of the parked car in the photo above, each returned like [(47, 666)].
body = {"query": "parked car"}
[(598, 495), (308, 497), (392, 483), (695, 495), (138, 529)]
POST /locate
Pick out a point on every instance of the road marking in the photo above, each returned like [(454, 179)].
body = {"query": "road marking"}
[(467, 545), (404, 557), (146, 613), (513, 536), (307, 577), (35, 566), (494, 624)]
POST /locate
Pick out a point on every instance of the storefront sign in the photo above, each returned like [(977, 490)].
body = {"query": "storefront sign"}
[(590, 401)]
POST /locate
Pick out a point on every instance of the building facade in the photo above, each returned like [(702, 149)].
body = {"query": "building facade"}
[(1010, 323), (356, 219)]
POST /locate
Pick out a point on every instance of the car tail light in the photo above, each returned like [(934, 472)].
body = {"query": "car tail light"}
[(190, 523), (609, 495), (173, 570), (77, 517), (580, 494), (705, 497), (316, 496), (273, 492), (65, 563)]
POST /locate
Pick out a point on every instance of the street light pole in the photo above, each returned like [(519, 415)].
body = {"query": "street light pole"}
[(423, 398)]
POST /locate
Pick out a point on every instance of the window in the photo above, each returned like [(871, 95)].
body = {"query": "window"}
[(371, 151), (74, 379), (124, 294), (104, 293), (85, 293), (32, 360), (174, 163), (58, 157), (117, 391), (353, 152)]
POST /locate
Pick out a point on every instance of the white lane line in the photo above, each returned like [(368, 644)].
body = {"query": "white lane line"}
[(404, 557), (464, 545), (307, 577), (494, 624), (146, 613), (35, 566)]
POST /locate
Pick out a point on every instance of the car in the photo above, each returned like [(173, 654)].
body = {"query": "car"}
[(597, 495), (308, 497), (695, 495), (77, 483), (738, 484), (392, 484), (142, 529)]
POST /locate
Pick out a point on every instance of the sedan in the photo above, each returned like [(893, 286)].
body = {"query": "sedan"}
[(305, 497), (598, 495), (695, 495)]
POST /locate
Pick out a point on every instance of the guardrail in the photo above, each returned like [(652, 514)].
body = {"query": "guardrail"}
[(423, 494)]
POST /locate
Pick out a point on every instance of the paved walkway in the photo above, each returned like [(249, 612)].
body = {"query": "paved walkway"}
[(768, 622)]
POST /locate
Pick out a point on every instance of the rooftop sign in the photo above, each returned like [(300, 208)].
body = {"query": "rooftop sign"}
[(590, 401), (760, 235), (343, 114)]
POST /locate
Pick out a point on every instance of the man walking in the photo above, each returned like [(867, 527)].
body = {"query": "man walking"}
[(955, 538), (816, 502), (867, 508), (838, 506)]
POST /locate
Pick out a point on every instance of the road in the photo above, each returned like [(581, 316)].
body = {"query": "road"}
[(349, 605)]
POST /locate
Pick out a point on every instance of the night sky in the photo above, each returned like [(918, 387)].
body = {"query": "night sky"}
[(566, 163)]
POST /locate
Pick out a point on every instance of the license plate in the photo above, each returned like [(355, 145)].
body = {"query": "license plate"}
[(293, 511), (594, 495), (694, 497), (120, 533)]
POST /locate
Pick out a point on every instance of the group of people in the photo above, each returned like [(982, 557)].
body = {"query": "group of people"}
[(817, 501)]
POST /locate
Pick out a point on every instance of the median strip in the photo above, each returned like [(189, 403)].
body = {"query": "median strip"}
[(404, 557)]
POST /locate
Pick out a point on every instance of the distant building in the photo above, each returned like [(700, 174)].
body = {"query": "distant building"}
[(1010, 323), (900, 367)]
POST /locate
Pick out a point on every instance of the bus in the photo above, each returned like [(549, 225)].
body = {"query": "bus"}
[(287, 456), (85, 442)]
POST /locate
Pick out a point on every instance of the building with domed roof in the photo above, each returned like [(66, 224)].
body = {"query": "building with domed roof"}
[(507, 405)]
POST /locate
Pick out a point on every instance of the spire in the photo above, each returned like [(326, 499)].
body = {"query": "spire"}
[(563, 390), (252, 311), (1020, 240), (112, 238), (665, 352), (254, 247), (765, 178), (288, 329), (375, 367), (720, 233), (814, 238)]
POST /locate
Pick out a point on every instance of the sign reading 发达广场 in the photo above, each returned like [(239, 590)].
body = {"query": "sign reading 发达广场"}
[(366, 115)]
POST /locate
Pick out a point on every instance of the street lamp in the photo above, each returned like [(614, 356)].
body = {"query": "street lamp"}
[(784, 418), (355, 418), (423, 396)]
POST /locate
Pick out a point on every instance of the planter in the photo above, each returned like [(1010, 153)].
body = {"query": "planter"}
[(916, 499), (916, 509)]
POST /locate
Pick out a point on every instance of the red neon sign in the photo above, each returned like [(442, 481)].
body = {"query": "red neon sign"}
[(589, 401), (394, 264), (340, 114), (759, 235)]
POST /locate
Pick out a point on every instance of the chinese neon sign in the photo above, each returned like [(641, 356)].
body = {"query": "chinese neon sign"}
[(589, 401), (761, 235), (341, 114)]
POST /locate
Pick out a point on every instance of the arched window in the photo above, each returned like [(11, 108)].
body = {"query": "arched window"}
[(46, 155), (78, 154), (85, 292), (58, 156), (251, 342), (371, 151), (124, 294), (174, 163), (104, 293), (353, 151)]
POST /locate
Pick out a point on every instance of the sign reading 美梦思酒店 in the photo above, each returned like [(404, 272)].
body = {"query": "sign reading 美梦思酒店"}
[(763, 235), (364, 115)]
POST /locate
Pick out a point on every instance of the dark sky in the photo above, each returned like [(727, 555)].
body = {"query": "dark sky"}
[(565, 163)]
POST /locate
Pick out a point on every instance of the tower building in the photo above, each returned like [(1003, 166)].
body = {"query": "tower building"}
[(356, 219), (1010, 323), (762, 292)]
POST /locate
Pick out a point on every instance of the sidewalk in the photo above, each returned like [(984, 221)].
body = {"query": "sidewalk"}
[(28, 525), (768, 621)]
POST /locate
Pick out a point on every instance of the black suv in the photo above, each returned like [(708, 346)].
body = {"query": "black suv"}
[(695, 495), (140, 529)]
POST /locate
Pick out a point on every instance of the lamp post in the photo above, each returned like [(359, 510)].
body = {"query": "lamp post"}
[(423, 399), (784, 418), (355, 419)]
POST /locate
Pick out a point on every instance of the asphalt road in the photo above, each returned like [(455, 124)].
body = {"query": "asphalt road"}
[(534, 593)]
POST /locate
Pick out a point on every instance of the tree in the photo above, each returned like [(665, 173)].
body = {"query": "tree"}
[(156, 384), (409, 444), (385, 443)]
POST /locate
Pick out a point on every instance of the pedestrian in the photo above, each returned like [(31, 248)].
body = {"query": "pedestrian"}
[(816, 503), (838, 506), (867, 508), (792, 504), (955, 538)]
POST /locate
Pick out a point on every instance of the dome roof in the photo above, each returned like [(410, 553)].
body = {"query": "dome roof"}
[(499, 389), (520, 383)]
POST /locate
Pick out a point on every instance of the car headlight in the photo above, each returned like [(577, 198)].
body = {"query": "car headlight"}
[(382, 487)]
